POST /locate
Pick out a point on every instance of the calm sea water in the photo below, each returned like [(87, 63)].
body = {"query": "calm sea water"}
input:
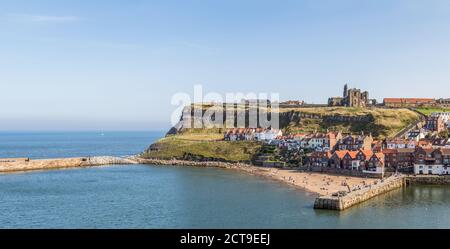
[(74, 144), (142, 196)]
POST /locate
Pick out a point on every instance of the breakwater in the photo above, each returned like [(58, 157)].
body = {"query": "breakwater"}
[(341, 201), (25, 164), (175, 162)]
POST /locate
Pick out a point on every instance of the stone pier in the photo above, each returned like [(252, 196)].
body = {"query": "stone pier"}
[(355, 197), (25, 164)]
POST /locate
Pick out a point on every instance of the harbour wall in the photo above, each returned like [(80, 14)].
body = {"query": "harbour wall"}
[(394, 182), (355, 197), (427, 180), (25, 164)]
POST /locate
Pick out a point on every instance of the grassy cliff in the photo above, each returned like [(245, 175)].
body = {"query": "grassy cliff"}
[(202, 147), (208, 144), (380, 122)]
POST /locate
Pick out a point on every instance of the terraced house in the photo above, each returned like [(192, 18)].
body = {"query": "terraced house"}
[(399, 159), (355, 143), (323, 141), (436, 123), (258, 134), (320, 158), (432, 161), (401, 144), (362, 160), (440, 143)]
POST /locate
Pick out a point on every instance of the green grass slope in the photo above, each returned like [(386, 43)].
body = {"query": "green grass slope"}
[(202, 146), (382, 122), (429, 111), (208, 144)]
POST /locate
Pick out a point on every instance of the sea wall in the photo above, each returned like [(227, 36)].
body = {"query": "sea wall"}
[(13, 165), (427, 180), (208, 164), (355, 197)]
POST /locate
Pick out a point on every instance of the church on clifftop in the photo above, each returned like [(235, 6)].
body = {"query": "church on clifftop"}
[(351, 98)]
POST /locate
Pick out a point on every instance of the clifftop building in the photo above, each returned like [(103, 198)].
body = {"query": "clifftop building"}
[(350, 98), (408, 102)]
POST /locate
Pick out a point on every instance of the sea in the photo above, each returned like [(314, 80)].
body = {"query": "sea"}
[(148, 196)]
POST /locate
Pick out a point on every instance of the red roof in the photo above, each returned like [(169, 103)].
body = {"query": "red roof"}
[(380, 156), (389, 151), (367, 153), (353, 154), (341, 153), (408, 100)]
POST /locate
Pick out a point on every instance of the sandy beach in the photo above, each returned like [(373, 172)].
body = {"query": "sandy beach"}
[(320, 183)]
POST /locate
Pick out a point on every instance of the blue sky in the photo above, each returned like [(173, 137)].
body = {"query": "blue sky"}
[(114, 65)]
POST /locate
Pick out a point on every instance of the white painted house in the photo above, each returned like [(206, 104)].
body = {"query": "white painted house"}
[(435, 169), (269, 134), (415, 135), (444, 115), (401, 144), (432, 161)]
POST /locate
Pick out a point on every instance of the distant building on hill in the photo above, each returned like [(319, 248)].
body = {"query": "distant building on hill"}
[(292, 103), (444, 102), (261, 102), (408, 102), (351, 98)]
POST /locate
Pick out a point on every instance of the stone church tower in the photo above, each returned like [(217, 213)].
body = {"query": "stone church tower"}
[(350, 98), (345, 91), (355, 98)]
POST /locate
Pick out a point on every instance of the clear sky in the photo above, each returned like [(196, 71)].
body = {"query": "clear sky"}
[(114, 65)]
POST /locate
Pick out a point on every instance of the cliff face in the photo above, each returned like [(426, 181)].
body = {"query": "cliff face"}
[(380, 122)]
